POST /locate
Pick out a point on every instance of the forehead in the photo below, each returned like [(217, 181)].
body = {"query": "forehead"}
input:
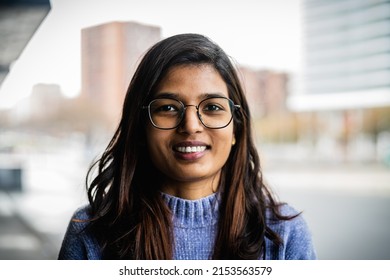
[(192, 81)]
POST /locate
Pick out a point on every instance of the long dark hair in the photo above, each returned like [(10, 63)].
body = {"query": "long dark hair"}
[(129, 216)]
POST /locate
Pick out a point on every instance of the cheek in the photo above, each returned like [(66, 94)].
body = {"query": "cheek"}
[(225, 142), (156, 143)]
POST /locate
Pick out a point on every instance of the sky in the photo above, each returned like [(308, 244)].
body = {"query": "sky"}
[(255, 33)]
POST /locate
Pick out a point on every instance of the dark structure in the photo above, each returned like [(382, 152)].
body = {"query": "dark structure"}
[(19, 19)]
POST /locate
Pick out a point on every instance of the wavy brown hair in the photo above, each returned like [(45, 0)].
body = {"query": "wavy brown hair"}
[(129, 216)]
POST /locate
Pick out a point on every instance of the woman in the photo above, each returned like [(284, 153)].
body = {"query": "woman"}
[(181, 177)]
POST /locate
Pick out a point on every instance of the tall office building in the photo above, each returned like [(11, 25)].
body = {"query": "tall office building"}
[(347, 55), (345, 90), (109, 55)]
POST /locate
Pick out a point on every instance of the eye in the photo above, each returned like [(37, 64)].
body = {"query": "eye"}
[(166, 108), (212, 108)]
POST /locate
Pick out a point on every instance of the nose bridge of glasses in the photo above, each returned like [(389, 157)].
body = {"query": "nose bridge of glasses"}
[(196, 108), (190, 105)]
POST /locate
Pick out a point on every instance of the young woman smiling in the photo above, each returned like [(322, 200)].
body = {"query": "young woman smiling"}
[(181, 177)]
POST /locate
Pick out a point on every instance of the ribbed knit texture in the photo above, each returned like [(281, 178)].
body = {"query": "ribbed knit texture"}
[(195, 225)]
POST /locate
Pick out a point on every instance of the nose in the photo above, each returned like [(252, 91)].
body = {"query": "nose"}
[(191, 122)]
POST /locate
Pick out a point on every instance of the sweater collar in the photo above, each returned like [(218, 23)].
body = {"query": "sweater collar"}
[(193, 213)]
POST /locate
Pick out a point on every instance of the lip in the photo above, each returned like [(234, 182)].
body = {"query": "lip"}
[(193, 155)]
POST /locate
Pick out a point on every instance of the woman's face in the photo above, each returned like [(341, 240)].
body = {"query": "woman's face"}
[(191, 153)]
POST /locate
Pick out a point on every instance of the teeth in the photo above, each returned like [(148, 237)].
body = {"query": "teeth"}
[(192, 149)]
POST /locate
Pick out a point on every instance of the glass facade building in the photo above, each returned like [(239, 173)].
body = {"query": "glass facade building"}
[(347, 54)]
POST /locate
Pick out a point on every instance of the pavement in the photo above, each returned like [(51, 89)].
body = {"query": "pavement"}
[(347, 207), (19, 240), (33, 221)]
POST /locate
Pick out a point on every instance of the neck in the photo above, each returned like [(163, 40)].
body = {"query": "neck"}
[(192, 190)]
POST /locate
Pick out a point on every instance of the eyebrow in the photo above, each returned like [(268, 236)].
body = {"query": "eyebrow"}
[(167, 95), (177, 96)]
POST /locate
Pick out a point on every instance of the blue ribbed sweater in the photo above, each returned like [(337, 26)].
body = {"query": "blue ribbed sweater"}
[(195, 228)]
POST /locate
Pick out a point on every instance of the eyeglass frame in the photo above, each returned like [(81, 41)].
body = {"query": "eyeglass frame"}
[(235, 107)]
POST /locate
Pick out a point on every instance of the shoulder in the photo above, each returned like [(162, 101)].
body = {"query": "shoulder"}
[(296, 227), (294, 232), (80, 218), (83, 213), (79, 242)]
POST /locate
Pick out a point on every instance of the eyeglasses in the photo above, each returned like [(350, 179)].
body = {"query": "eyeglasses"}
[(213, 112)]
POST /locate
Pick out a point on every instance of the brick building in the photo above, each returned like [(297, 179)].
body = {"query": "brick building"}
[(110, 54)]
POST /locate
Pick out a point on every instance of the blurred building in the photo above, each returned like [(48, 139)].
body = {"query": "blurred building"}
[(266, 91), (344, 96), (109, 55), (45, 101), (347, 49)]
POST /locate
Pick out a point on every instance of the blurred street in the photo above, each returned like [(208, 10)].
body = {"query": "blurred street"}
[(347, 207), (18, 239), (33, 221), (346, 226)]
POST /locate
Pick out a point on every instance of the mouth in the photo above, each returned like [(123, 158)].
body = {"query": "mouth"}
[(191, 147)]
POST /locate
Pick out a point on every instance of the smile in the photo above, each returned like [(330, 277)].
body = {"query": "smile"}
[(193, 149)]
